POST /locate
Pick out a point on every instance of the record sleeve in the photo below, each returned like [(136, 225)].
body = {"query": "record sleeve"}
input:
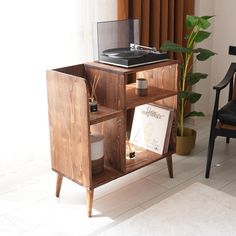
[(151, 127)]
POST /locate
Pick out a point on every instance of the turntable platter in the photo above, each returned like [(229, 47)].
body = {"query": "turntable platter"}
[(124, 53)]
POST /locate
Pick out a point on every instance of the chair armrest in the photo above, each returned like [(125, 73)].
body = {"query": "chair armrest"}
[(229, 75)]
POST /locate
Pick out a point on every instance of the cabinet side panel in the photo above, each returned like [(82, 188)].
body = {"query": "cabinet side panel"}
[(69, 126), (110, 88), (76, 70)]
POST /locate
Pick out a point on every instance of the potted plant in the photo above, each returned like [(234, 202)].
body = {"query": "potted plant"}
[(196, 28)]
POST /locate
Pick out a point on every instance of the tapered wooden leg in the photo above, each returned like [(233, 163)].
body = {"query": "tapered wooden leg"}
[(90, 201), (170, 166), (59, 182)]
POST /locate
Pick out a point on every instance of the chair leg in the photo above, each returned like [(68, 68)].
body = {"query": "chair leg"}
[(210, 153), (227, 139)]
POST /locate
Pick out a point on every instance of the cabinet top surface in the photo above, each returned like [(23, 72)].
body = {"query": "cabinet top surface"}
[(122, 70)]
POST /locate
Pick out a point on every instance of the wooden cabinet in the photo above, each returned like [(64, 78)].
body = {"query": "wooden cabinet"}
[(71, 122)]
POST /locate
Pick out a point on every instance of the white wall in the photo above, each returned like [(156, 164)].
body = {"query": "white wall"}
[(203, 7), (35, 36), (223, 35)]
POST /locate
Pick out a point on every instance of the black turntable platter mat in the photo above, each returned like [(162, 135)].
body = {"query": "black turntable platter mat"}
[(124, 53)]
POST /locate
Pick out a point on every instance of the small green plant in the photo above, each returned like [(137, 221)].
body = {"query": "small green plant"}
[(197, 33)]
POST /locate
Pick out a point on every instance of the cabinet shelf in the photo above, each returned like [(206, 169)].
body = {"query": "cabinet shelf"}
[(103, 114), (143, 158), (154, 94), (106, 176)]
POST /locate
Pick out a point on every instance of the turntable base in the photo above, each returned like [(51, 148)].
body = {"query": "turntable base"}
[(125, 57)]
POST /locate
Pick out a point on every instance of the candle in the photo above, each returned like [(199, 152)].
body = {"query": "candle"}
[(141, 87)]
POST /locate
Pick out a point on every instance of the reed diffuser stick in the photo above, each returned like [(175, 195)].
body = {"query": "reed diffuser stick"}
[(94, 86)]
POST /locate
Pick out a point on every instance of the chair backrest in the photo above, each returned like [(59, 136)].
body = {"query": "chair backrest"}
[(232, 51)]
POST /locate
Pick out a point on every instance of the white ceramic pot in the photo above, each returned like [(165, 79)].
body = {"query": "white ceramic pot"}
[(97, 146)]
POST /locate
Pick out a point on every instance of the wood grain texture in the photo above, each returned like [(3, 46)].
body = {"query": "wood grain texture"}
[(107, 176), (76, 70), (103, 114), (162, 78), (69, 126), (110, 88), (114, 141), (127, 71), (143, 158), (69, 115), (71, 123), (154, 94)]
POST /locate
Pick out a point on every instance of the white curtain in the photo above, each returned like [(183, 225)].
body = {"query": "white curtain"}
[(37, 35)]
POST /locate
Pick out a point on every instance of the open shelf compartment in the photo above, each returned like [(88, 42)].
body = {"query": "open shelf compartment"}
[(103, 114), (154, 94)]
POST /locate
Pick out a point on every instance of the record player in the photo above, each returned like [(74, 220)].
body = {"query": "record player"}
[(118, 44)]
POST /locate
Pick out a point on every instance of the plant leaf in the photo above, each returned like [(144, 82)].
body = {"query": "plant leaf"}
[(194, 113), (207, 17), (193, 78), (204, 23), (192, 97), (191, 21), (173, 47), (201, 35), (203, 54)]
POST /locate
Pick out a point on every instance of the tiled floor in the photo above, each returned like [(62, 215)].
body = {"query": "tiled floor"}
[(28, 205)]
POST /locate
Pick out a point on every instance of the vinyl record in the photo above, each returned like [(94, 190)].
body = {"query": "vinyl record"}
[(124, 53)]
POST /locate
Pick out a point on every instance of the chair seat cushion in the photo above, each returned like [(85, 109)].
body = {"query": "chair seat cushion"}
[(227, 114)]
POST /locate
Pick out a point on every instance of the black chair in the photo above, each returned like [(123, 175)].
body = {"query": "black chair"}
[(224, 119)]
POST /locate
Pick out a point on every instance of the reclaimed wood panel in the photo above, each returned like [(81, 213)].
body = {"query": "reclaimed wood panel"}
[(114, 141), (163, 78), (103, 114), (126, 71), (110, 88), (154, 94), (69, 126), (143, 158)]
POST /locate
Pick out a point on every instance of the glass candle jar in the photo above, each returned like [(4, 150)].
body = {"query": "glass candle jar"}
[(141, 87)]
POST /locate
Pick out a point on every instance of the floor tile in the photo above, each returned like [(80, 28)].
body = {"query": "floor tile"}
[(7, 228)]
